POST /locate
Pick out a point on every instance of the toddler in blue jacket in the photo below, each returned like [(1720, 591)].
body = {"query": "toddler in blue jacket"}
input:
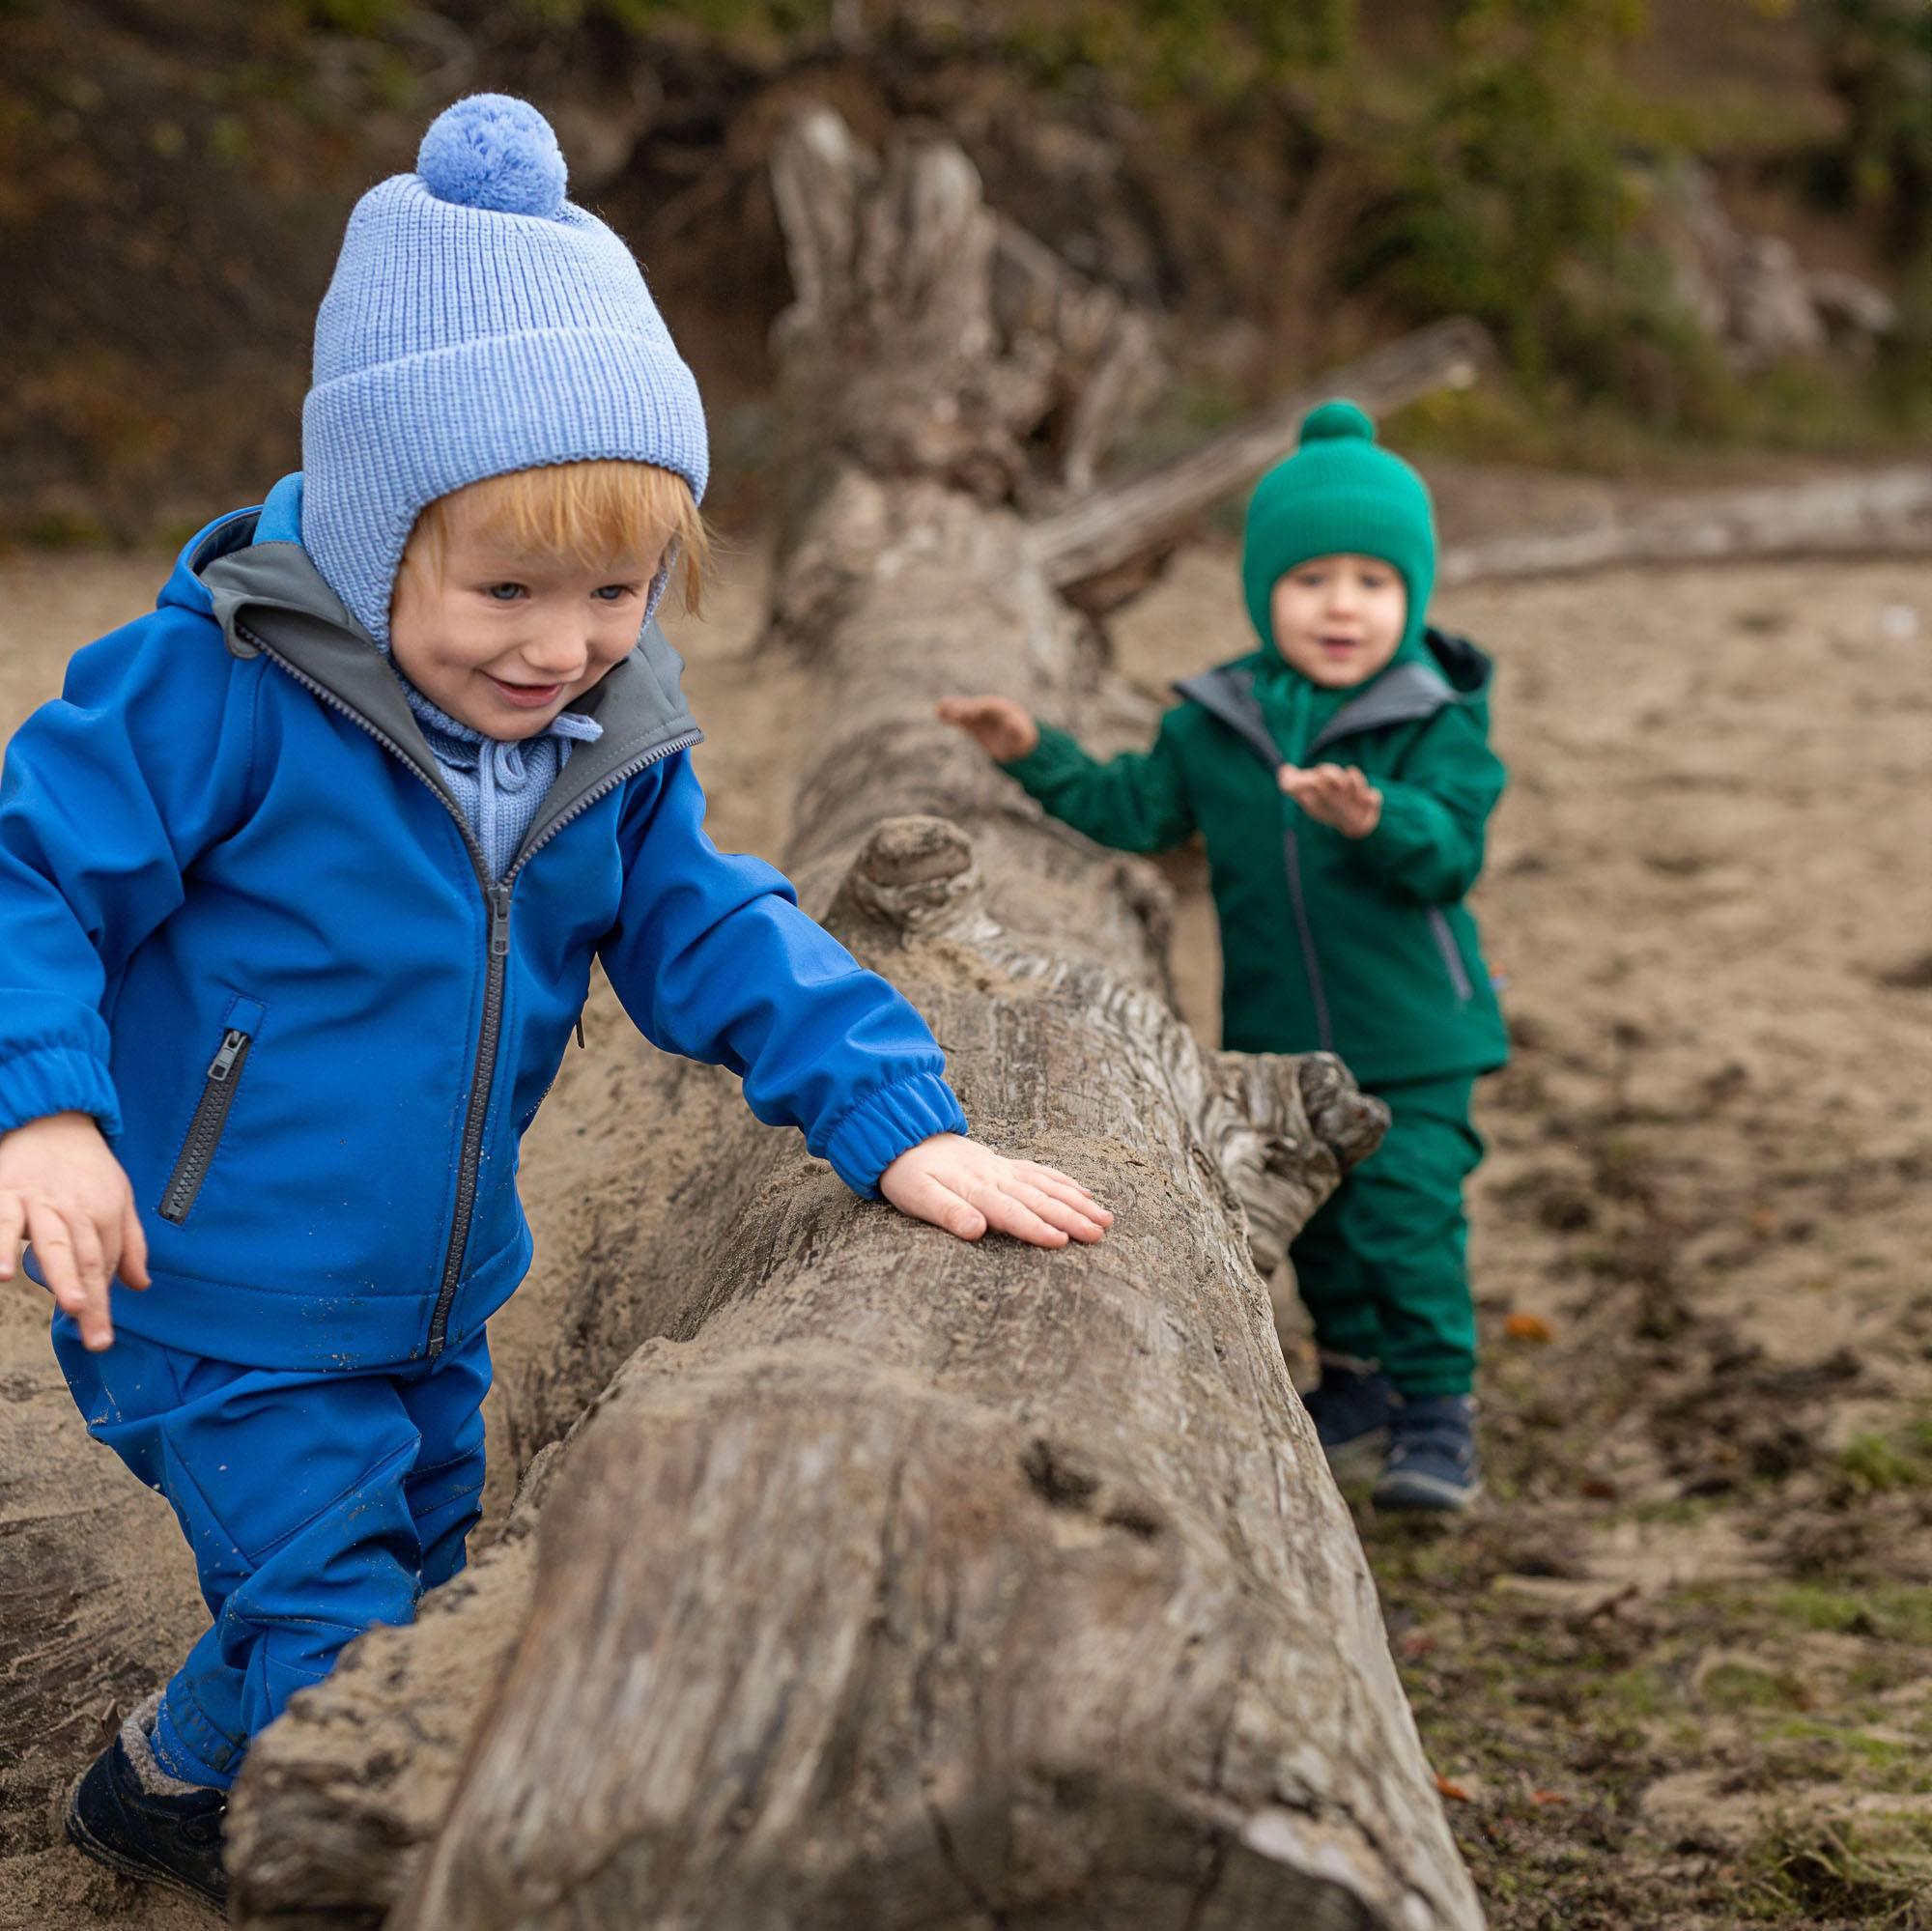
[(300, 883)]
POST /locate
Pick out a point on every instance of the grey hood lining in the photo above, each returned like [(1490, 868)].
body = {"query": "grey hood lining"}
[(272, 595), (1229, 693)]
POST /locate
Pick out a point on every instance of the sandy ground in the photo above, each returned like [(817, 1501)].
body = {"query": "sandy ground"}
[(1680, 1672)]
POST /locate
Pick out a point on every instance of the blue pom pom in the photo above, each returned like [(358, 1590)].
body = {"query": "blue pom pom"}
[(494, 150), (1334, 421)]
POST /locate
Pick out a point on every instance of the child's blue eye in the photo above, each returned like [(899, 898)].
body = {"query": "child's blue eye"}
[(503, 593), (611, 593)]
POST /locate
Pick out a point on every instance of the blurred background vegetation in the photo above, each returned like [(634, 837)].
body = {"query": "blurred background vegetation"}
[(1694, 225)]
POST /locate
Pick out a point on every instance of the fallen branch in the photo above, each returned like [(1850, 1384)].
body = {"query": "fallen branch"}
[(1887, 512), (1118, 525)]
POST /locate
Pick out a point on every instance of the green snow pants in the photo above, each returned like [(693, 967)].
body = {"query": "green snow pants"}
[(1383, 1267)]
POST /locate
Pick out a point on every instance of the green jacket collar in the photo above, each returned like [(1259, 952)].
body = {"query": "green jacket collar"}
[(1442, 669)]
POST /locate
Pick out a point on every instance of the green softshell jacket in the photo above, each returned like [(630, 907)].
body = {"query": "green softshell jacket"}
[(1361, 947)]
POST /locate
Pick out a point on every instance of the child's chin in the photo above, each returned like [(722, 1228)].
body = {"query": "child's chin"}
[(509, 723), (1338, 672)]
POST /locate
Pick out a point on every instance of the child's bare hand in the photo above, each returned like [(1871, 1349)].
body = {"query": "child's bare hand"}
[(1335, 794), (967, 1189), (1002, 729), (63, 1190)]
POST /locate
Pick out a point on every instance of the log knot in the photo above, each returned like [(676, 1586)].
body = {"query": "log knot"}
[(1349, 1122), (1065, 1479), (1281, 1130), (917, 876)]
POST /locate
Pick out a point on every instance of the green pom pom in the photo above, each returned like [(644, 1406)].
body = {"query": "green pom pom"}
[(1335, 420)]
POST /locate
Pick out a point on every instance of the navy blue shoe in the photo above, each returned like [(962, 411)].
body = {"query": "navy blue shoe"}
[(1432, 1466), (142, 1828), (1349, 1407)]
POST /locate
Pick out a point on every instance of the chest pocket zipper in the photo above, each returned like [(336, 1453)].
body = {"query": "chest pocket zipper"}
[(211, 1113)]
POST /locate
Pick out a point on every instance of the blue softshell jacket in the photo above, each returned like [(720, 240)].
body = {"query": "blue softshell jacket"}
[(244, 924)]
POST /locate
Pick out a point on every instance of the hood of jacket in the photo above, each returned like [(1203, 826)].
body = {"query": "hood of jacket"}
[(251, 574)]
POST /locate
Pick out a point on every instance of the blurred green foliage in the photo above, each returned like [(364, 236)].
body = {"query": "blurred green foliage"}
[(783, 18), (1510, 178), (1315, 172), (1878, 56), (1215, 49), (1154, 46)]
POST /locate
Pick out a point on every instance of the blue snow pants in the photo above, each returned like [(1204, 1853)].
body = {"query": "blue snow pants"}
[(315, 1505)]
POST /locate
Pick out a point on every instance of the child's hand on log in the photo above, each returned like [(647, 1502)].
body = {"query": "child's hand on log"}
[(1335, 794), (1002, 729), (967, 1189), (63, 1190)]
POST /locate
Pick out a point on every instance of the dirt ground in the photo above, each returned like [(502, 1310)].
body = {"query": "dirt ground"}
[(1679, 1673)]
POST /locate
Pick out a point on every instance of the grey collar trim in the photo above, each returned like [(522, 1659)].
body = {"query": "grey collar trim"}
[(1229, 693), (1409, 691), (271, 597)]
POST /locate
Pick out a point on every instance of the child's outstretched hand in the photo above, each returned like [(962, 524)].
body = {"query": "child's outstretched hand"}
[(63, 1190), (967, 1189), (1002, 729), (1335, 794)]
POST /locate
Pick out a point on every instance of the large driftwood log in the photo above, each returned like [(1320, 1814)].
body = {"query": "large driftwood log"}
[(1888, 511), (900, 1582)]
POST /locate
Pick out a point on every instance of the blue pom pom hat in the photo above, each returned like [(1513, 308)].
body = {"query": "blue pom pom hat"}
[(477, 323)]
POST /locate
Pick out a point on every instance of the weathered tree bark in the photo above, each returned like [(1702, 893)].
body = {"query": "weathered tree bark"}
[(1116, 525), (896, 1581), (1888, 511)]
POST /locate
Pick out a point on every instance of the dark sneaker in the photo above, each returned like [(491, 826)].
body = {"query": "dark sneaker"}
[(149, 1828), (1432, 1463), (1349, 1407)]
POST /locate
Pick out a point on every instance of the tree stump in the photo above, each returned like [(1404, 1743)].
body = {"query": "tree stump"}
[(898, 1582)]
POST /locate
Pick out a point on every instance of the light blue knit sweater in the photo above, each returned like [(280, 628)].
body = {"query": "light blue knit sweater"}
[(499, 786)]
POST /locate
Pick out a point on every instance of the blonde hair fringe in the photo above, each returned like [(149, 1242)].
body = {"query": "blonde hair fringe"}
[(593, 513)]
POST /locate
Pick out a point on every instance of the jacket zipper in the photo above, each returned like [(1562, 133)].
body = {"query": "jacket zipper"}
[(203, 1132), (1324, 1033), (1452, 958), (497, 899)]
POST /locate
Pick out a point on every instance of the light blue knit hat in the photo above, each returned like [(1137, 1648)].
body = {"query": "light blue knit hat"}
[(477, 323)]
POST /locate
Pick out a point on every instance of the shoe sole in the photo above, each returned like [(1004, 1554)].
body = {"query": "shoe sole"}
[(1424, 1495), (121, 1865), (1360, 1460)]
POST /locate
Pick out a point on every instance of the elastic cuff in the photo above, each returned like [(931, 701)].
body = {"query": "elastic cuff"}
[(56, 1079), (886, 1124)]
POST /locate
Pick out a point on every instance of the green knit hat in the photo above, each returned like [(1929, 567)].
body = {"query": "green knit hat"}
[(1339, 493)]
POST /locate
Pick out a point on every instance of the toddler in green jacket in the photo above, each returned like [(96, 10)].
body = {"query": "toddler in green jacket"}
[(1342, 777)]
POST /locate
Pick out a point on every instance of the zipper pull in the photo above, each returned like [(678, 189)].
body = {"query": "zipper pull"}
[(223, 1062), (583, 1043), (500, 921)]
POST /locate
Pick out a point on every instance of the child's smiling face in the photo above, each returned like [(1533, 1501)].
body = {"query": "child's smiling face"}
[(503, 637), (1338, 619)]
